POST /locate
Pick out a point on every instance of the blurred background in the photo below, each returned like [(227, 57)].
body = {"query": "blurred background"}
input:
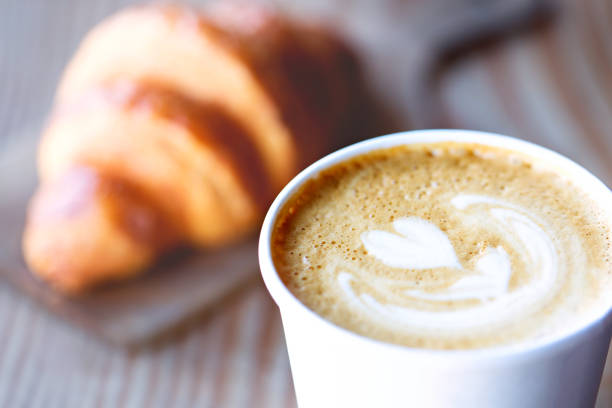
[(538, 70)]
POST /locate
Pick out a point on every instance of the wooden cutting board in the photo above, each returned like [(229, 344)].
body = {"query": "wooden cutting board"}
[(127, 313)]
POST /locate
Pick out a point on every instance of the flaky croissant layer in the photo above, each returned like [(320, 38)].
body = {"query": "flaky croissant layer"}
[(173, 127)]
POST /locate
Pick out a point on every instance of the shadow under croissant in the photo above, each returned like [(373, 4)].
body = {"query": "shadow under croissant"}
[(183, 288)]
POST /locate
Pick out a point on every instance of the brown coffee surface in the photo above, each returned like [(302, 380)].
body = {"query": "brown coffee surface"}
[(445, 246)]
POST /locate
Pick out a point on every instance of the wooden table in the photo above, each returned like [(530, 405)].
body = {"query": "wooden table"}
[(552, 86)]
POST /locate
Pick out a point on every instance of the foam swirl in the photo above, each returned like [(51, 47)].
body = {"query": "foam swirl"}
[(420, 245)]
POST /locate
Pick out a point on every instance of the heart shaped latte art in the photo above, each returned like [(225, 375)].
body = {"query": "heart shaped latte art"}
[(419, 244), (422, 245)]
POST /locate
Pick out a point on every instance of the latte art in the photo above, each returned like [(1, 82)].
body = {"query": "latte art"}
[(421, 245), (446, 245)]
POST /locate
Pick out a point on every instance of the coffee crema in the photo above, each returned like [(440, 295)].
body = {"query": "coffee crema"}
[(445, 246)]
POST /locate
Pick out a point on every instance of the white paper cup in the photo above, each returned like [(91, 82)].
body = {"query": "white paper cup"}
[(333, 367)]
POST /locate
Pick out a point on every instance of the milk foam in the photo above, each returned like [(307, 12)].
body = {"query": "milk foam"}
[(421, 245), (446, 246)]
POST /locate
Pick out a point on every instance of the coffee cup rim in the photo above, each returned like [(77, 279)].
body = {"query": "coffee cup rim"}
[(284, 298)]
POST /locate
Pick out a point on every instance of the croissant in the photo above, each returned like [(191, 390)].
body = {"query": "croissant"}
[(174, 127)]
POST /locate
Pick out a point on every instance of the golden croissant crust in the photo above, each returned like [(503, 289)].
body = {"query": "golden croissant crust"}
[(173, 127)]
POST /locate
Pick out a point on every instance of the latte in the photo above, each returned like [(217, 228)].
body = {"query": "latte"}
[(446, 246)]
